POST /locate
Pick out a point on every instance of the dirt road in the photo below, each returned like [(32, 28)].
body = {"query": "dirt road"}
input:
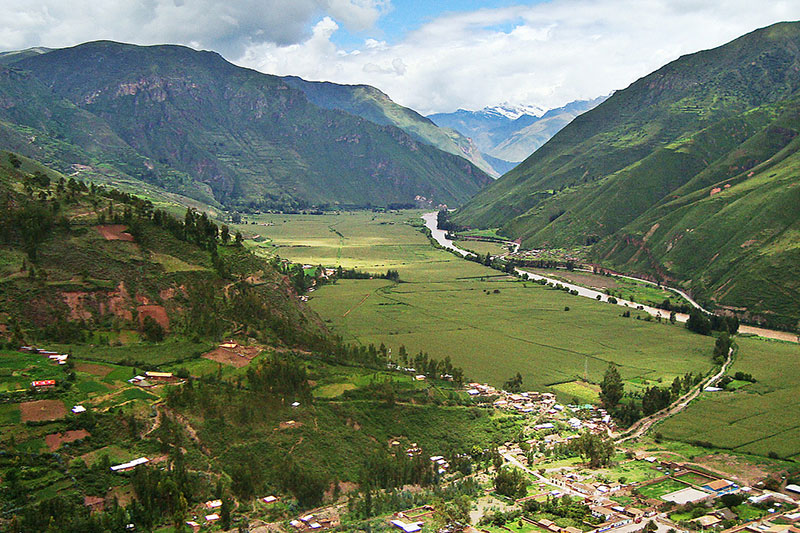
[(641, 427)]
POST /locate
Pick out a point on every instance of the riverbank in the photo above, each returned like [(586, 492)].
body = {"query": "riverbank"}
[(440, 236)]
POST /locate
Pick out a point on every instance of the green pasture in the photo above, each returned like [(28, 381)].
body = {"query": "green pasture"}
[(660, 488), (578, 390), (483, 247), (761, 418), (173, 350), (521, 328), (489, 324)]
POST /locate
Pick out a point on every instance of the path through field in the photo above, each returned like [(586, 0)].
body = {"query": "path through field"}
[(644, 424)]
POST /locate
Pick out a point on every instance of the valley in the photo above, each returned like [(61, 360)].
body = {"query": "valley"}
[(238, 301)]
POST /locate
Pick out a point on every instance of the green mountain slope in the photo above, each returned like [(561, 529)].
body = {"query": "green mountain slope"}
[(370, 103), (195, 124), (641, 167), (75, 261), (282, 408)]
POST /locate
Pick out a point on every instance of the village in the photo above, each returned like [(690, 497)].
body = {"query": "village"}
[(640, 489), (672, 496)]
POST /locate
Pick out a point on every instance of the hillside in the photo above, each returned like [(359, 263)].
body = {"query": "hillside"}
[(283, 407), (79, 261), (194, 124), (370, 103), (510, 134), (675, 175)]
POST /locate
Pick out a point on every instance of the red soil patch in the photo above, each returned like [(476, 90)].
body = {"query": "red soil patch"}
[(55, 440), (167, 294), (42, 410), (239, 357), (115, 232), (95, 503), (289, 424), (76, 301), (118, 303), (157, 312), (95, 370)]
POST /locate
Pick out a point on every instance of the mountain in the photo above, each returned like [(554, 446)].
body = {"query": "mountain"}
[(13, 56), (372, 104), (689, 175), (192, 123), (510, 133)]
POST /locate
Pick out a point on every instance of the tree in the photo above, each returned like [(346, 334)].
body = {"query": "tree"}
[(721, 348), (14, 160), (677, 386), (225, 513), (595, 449), (152, 330), (612, 388), (514, 384), (510, 482), (698, 322), (225, 234)]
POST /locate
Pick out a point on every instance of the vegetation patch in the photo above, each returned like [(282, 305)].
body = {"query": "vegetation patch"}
[(42, 410)]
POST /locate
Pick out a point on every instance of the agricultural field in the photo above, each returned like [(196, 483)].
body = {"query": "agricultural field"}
[(490, 324), (627, 289), (482, 247), (760, 418), (660, 488)]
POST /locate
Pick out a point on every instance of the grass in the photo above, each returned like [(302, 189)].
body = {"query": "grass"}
[(761, 418), (748, 512), (631, 471), (9, 414), (656, 490), (694, 478), (482, 247), (448, 307), (173, 264), (578, 390), (173, 350)]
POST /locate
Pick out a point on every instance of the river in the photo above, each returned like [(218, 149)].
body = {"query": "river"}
[(440, 236)]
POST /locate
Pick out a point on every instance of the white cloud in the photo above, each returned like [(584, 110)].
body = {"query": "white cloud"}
[(228, 26), (546, 54)]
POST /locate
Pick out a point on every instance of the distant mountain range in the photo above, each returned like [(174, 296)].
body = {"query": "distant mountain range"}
[(192, 123), (507, 134), (689, 175)]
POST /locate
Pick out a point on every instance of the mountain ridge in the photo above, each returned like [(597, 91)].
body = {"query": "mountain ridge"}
[(679, 136), (194, 123), (511, 133)]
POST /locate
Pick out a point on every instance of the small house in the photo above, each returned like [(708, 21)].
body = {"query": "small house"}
[(43, 384)]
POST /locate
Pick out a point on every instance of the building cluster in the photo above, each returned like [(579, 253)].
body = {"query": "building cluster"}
[(151, 379), (55, 357)]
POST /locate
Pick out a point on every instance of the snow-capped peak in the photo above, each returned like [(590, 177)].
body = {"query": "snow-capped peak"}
[(513, 112)]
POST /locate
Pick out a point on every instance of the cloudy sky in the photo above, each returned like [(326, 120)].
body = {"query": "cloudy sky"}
[(432, 55)]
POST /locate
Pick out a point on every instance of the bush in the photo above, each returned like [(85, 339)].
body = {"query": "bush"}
[(152, 330)]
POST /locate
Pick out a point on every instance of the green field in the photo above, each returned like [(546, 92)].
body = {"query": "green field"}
[(694, 478), (483, 247), (488, 323), (660, 488), (761, 418)]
